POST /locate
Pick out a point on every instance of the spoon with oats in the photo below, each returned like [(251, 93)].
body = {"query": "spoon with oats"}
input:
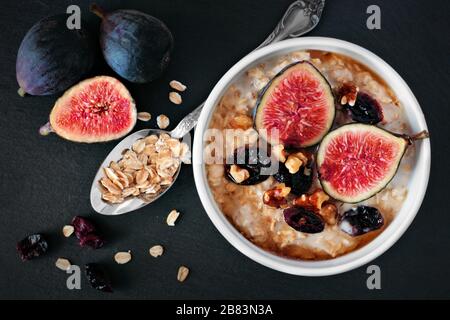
[(144, 165)]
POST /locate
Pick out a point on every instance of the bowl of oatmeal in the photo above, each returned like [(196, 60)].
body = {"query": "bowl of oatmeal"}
[(317, 92)]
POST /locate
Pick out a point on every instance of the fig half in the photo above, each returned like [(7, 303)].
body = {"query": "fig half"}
[(356, 161), (95, 110), (296, 108)]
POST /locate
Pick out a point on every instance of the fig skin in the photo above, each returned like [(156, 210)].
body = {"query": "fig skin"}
[(137, 46), (51, 57)]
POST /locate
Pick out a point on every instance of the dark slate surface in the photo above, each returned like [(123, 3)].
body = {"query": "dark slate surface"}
[(45, 181)]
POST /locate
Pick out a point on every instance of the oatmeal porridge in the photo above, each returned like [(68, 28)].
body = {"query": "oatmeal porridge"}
[(262, 207)]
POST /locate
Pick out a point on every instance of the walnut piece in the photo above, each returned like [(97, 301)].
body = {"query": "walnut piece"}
[(347, 94), (239, 175), (295, 161), (279, 152), (313, 201), (276, 197), (329, 213)]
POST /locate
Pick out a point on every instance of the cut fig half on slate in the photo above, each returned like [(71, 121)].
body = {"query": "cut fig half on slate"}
[(296, 108), (95, 110), (356, 161)]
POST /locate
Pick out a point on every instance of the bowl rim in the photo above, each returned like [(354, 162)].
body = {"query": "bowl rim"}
[(403, 218)]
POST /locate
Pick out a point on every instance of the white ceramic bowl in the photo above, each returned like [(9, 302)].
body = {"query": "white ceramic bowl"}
[(417, 183)]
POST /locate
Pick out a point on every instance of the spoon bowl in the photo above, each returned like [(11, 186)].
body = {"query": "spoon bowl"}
[(133, 203)]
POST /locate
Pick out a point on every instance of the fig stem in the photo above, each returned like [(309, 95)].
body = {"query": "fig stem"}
[(97, 10), (46, 129), (420, 136), (21, 92)]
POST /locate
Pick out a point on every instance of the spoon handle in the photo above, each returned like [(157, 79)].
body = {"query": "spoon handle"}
[(299, 18), (187, 123)]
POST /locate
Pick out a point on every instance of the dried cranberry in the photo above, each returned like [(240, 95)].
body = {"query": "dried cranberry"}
[(86, 232), (299, 182), (91, 240), (360, 220), (32, 246), (253, 159), (97, 277), (82, 225), (366, 109), (303, 220)]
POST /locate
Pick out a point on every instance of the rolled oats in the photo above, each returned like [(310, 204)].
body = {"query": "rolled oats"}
[(110, 186), (156, 251), (139, 146), (128, 192), (177, 85), (144, 116), (67, 231), (175, 97), (151, 139), (162, 121), (183, 272), (141, 176), (112, 198), (185, 153), (172, 217), (241, 122), (63, 264), (122, 257), (145, 170)]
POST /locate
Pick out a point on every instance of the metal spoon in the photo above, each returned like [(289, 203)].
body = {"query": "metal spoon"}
[(300, 18)]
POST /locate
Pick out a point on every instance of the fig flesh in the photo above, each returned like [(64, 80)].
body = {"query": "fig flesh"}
[(95, 110), (297, 105), (356, 161), (137, 46), (52, 57)]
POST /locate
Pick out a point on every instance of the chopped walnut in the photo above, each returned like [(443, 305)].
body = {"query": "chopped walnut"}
[(314, 201), (318, 198), (293, 164), (279, 152), (329, 213), (295, 161), (276, 197), (347, 94), (239, 175)]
